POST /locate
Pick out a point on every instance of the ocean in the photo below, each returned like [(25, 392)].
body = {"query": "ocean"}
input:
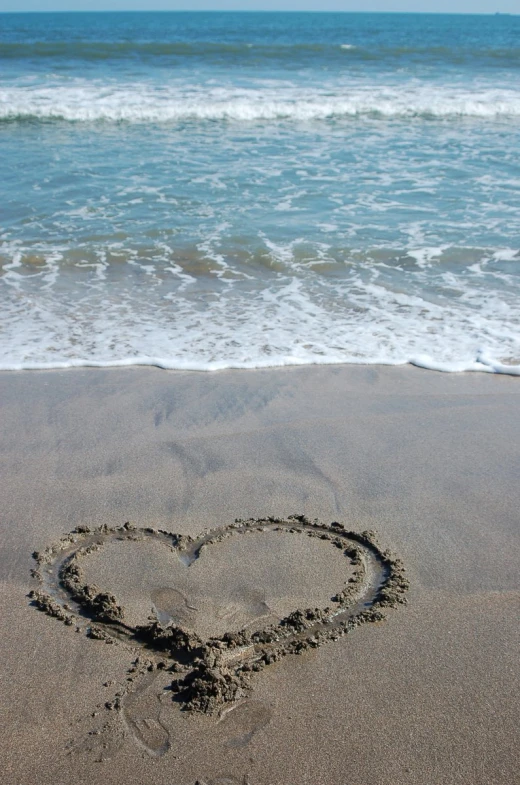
[(243, 190)]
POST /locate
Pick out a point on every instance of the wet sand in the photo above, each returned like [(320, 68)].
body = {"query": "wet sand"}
[(431, 461)]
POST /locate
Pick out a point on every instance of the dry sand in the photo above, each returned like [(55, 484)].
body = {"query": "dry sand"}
[(429, 696)]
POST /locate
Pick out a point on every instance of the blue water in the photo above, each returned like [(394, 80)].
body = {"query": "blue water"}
[(211, 190)]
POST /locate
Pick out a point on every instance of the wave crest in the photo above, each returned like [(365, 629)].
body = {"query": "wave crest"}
[(146, 103), (231, 51)]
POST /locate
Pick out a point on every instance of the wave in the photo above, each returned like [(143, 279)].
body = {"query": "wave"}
[(288, 320), (89, 102), (482, 363), (108, 50), (121, 50)]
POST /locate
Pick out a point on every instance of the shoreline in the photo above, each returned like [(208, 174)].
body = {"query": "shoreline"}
[(428, 460), (481, 364)]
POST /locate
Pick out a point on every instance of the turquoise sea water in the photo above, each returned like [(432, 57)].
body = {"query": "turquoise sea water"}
[(216, 190)]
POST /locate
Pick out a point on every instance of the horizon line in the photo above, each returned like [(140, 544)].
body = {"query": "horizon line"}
[(259, 11)]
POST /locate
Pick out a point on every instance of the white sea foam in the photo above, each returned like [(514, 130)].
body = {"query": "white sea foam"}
[(284, 322), (85, 101)]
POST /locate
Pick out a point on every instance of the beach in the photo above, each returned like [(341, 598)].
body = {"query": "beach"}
[(428, 460), (259, 398)]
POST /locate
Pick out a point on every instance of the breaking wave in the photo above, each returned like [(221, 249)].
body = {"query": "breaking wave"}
[(138, 103)]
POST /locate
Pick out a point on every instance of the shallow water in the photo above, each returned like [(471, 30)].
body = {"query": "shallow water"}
[(244, 190)]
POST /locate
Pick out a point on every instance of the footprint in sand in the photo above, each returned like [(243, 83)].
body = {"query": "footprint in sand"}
[(172, 606), (239, 723), (142, 710)]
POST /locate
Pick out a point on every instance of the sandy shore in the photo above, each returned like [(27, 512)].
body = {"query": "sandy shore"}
[(431, 461)]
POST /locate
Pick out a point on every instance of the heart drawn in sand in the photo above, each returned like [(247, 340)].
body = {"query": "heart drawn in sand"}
[(208, 672)]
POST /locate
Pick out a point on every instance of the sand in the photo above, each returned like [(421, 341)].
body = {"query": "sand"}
[(430, 461)]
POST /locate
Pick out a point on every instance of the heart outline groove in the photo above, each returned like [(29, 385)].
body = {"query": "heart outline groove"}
[(207, 675)]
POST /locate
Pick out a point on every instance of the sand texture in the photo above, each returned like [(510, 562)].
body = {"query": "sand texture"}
[(97, 689)]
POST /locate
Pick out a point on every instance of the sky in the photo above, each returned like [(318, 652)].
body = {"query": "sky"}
[(446, 6)]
